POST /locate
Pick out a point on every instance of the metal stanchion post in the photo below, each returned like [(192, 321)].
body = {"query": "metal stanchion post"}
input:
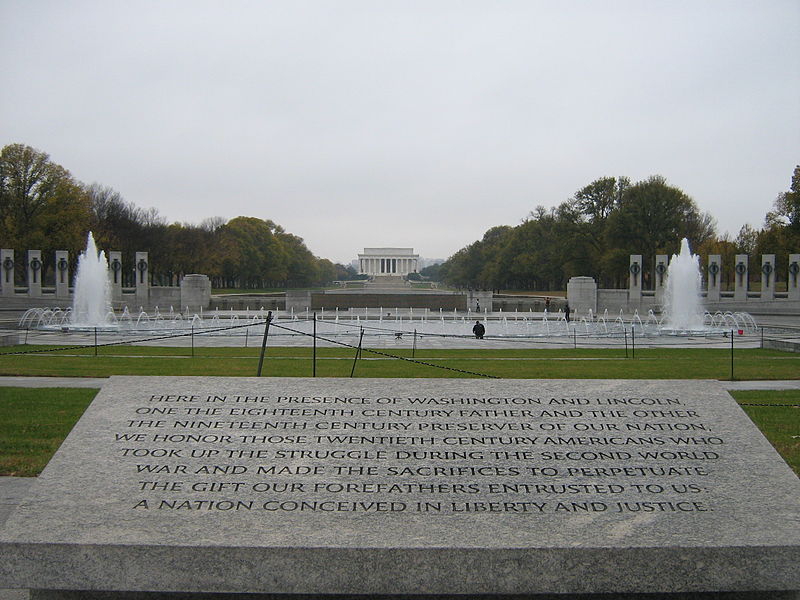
[(414, 347), (358, 352), (625, 333), (314, 354), (264, 343)]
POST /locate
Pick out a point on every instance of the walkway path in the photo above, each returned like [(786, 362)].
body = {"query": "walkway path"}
[(51, 382), (97, 382)]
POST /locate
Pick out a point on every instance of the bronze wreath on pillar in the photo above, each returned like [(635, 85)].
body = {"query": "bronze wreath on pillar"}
[(741, 269), (713, 269), (661, 268), (35, 264), (635, 269), (142, 266), (766, 268), (116, 267), (62, 268), (794, 269), (8, 265)]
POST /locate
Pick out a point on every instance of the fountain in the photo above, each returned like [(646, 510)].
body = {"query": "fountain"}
[(682, 308), (683, 314), (91, 304)]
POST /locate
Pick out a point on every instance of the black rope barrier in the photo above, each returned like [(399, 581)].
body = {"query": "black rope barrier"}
[(386, 354), (607, 339), (129, 342)]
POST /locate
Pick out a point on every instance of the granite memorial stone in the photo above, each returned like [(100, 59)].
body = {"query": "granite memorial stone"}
[(409, 486)]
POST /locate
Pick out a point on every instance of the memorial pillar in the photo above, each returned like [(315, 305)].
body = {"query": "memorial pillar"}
[(741, 279), (662, 260), (714, 277), (7, 271), (635, 280), (142, 279), (62, 274), (767, 276), (115, 276), (793, 281), (582, 294), (34, 274)]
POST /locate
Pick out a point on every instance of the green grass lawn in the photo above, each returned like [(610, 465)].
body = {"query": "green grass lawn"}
[(564, 363), (36, 420), (780, 424), (34, 423)]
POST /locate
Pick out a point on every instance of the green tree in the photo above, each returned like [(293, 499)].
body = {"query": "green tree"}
[(41, 205), (251, 256), (786, 210), (652, 218), (597, 200)]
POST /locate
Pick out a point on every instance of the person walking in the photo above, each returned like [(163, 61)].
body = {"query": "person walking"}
[(479, 330), (566, 312)]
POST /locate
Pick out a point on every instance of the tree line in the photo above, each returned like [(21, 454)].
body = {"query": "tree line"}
[(594, 232), (42, 206)]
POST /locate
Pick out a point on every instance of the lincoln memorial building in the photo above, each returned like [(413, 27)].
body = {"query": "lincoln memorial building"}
[(382, 262)]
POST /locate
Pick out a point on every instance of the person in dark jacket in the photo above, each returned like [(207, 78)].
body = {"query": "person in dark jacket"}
[(566, 312), (479, 330)]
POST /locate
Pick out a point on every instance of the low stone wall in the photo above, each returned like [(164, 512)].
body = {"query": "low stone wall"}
[(784, 345), (164, 297), (512, 303), (389, 301), (9, 339), (248, 302)]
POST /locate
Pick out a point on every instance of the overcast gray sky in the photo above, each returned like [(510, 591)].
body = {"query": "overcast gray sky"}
[(405, 123)]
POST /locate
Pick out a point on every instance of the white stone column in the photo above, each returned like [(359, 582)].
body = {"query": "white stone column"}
[(35, 270), (714, 277), (662, 261), (62, 274), (142, 279), (793, 282), (7, 271), (741, 278), (767, 276), (115, 274), (635, 279)]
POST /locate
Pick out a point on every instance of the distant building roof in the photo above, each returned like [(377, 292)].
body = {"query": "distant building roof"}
[(406, 252)]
